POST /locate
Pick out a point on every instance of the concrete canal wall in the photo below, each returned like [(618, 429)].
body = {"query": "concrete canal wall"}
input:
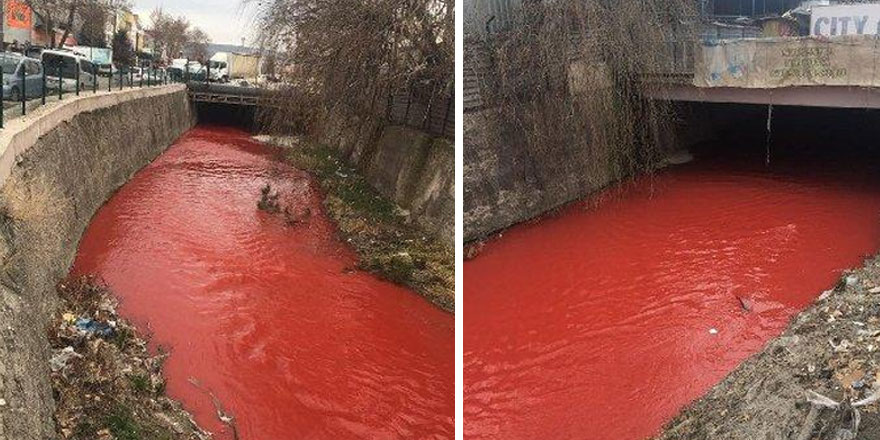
[(58, 165), (412, 168)]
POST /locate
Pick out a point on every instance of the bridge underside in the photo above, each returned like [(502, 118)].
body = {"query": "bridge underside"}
[(232, 95), (807, 96)]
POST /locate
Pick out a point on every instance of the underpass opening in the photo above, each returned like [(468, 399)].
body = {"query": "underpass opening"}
[(691, 271), (781, 137), (231, 115)]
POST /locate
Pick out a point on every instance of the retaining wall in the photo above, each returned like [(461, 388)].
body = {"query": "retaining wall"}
[(57, 167), (506, 182), (412, 168)]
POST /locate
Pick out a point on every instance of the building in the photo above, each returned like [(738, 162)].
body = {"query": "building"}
[(130, 23), (23, 27)]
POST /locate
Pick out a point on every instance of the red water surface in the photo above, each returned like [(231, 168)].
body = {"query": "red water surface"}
[(597, 322), (270, 319)]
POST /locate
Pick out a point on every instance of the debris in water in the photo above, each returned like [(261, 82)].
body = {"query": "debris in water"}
[(713, 331), (471, 251), (268, 200), (744, 303)]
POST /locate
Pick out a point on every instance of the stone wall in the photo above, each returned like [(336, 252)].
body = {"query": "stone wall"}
[(57, 167), (505, 182)]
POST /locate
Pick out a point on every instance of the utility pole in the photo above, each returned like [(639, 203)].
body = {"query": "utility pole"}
[(2, 23)]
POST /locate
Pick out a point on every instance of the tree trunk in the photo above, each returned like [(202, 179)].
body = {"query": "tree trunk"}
[(70, 17)]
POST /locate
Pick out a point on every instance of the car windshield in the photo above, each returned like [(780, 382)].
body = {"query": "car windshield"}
[(9, 64)]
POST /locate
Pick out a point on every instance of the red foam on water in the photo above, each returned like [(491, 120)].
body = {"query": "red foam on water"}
[(268, 321)]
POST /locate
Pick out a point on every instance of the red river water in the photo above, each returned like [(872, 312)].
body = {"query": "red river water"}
[(267, 321), (604, 320)]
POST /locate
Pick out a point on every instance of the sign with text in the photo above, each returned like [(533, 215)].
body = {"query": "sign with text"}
[(838, 20), (783, 62)]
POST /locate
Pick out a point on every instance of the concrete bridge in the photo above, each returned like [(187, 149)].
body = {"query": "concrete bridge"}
[(805, 96), (212, 93), (804, 71)]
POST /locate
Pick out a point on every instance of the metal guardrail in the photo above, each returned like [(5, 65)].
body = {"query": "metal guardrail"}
[(54, 86)]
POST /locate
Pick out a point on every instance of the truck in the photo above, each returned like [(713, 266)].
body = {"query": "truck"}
[(226, 66)]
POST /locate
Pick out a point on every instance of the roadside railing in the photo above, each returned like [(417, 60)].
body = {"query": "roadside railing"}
[(25, 91)]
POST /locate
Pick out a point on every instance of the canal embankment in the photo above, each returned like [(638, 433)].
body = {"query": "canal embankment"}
[(389, 187), (411, 167), (809, 382), (58, 165), (364, 196)]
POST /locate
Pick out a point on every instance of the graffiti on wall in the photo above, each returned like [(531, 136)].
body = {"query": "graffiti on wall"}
[(18, 15), (808, 63)]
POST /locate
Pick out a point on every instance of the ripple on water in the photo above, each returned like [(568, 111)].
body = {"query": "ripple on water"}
[(603, 329), (267, 317)]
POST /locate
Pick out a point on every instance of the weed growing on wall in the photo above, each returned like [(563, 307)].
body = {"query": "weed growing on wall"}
[(578, 73)]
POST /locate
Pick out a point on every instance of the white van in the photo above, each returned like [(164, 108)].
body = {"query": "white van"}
[(69, 62)]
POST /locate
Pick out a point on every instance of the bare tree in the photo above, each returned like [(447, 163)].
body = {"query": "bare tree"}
[(173, 35), (197, 42), (65, 15), (92, 27), (353, 53), (55, 14)]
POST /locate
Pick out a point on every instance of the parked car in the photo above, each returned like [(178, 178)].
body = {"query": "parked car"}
[(107, 70), (182, 69), (136, 74), (14, 83), (72, 67)]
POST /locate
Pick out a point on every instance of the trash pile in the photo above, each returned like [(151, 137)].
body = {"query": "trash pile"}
[(820, 380), (107, 384)]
